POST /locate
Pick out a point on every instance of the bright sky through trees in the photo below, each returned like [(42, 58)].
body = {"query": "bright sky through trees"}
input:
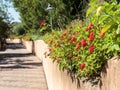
[(12, 13)]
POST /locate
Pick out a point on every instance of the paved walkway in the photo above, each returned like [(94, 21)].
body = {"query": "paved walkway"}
[(20, 70)]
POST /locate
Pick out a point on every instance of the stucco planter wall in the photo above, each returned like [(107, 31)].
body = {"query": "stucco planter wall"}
[(28, 45), (58, 80), (111, 75)]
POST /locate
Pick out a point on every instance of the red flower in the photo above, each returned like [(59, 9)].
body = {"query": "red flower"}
[(91, 48), (64, 34), (83, 43), (73, 39), (78, 56), (51, 41), (89, 27), (91, 36), (42, 23), (82, 66), (70, 55), (50, 49)]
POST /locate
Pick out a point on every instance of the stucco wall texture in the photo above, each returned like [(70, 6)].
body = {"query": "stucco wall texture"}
[(58, 80)]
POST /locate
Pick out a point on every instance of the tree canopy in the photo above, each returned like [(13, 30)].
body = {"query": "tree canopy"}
[(4, 28), (32, 12)]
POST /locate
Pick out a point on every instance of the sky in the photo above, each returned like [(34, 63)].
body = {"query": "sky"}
[(13, 14)]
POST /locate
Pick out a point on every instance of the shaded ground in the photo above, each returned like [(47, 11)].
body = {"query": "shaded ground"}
[(20, 70)]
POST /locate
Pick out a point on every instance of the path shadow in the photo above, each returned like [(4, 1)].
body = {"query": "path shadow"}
[(18, 64), (15, 55), (16, 60), (14, 46)]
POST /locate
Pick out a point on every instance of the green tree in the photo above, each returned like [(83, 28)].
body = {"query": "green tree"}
[(32, 12), (4, 26), (16, 29)]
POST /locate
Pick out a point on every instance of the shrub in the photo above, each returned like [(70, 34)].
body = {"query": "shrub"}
[(83, 48), (27, 38)]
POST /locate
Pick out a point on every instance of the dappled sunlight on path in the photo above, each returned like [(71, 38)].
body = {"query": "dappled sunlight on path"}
[(20, 70)]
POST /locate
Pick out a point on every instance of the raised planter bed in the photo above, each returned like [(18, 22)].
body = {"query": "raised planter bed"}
[(57, 80), (28, 45)]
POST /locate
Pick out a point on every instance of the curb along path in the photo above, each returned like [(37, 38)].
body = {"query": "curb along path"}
[(20, 70)]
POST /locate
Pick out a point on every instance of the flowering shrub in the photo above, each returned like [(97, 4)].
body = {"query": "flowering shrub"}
[(42, 23), (84, 49)]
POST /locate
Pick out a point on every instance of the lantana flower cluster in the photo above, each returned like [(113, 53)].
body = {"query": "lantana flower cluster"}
[(76, 49), (84, 47)]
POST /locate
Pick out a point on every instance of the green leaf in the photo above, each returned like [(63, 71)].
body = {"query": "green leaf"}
[(116, 47), (106, 28), (91, 9), (103, 18), (109, 7)]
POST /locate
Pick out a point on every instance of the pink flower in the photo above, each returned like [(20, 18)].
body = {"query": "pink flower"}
[(91, 48), (83, 43), (91, 36)]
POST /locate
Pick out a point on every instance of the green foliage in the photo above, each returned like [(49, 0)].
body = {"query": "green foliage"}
[(3, 30), (17, 29), (4, 22), (27, 38), (84, 47), (32, 12)]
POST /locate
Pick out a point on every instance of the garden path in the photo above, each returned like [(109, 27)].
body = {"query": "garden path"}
[(20, 70)]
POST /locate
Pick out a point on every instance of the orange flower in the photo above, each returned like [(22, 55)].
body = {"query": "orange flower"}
[(51, 41), (77, 45), (57, 44), (64, 33), (102, 34), (58, 60)]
